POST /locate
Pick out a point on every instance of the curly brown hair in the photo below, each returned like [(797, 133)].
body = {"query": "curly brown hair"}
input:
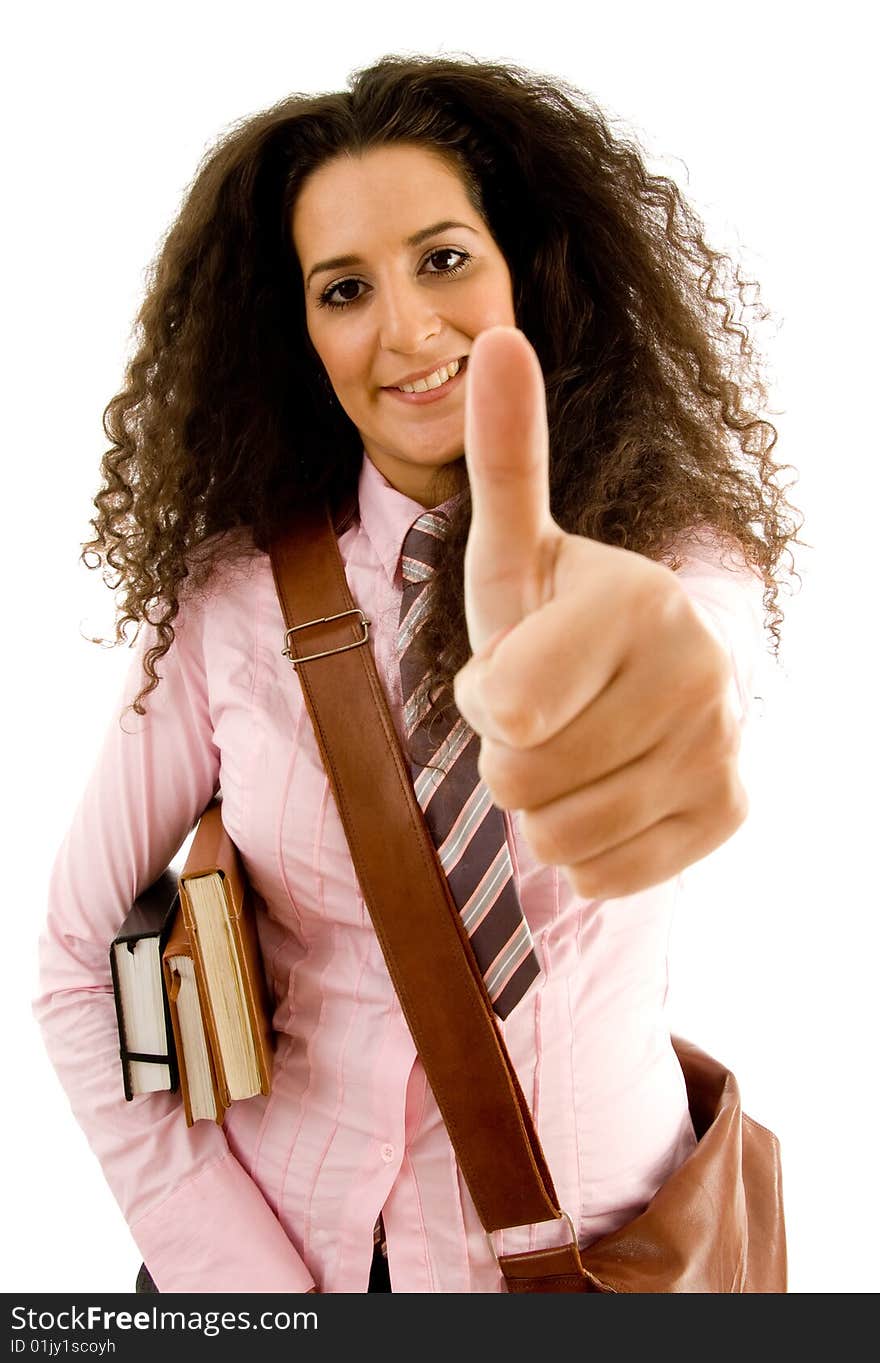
[(227, 420)]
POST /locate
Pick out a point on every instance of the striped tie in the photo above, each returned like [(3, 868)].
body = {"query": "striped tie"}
[(467, 828)]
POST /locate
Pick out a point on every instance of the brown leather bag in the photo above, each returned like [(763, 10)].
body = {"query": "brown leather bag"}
[(717, 1224)]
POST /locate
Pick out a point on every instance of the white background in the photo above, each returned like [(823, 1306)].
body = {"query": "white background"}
[(764, 113)]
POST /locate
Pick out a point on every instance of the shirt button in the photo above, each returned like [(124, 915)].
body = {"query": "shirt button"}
[(388, 1153)]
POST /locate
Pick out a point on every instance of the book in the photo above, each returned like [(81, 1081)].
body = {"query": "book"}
[(218, 909), (146, 1041), (198, 1082), (193, 1006)]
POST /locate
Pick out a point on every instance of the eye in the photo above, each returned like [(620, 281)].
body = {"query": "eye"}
[(326, 299), (450, 251)]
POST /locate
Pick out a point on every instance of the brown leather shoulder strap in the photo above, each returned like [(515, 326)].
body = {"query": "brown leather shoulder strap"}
[(426, 948)]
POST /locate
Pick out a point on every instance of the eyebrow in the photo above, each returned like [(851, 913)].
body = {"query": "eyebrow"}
[(343, 262)]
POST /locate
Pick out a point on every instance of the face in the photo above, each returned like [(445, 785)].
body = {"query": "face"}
[(400, 275)]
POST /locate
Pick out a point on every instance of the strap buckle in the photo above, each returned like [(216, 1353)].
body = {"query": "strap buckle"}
[(325, 620), (563, 1215)]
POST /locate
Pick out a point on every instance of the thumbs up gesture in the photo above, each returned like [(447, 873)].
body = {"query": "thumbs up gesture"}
[(599, 694)]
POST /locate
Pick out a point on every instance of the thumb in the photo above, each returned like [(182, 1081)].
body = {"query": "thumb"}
[(507, 456)]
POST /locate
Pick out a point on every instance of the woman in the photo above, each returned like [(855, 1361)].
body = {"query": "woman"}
[(309, 328)]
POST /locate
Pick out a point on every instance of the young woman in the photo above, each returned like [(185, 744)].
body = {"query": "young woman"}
[(449, 289)]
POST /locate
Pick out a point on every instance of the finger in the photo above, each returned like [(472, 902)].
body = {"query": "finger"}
[(652, 857), (649, 700), (545, 670), (616, 729), (694, 775), (598, 817), (599, 626), (506, 451)]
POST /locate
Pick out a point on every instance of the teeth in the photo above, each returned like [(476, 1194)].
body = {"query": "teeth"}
[(435, 380)]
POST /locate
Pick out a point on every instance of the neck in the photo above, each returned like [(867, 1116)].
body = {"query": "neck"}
[(448, 480)]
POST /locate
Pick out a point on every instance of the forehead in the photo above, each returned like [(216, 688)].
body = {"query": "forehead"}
[(386, 191)]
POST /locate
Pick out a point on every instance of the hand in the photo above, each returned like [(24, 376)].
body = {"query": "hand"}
[(600, 695)]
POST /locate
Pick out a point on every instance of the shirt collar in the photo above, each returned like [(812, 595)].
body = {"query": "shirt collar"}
[(386, 515)]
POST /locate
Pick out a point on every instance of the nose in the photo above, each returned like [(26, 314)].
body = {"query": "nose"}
[(407, 316)]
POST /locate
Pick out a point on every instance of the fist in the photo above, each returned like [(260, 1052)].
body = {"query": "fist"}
[(601, 698)]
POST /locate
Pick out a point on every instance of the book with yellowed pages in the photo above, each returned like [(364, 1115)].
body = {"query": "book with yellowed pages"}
[(198, 1080), (218, 910)]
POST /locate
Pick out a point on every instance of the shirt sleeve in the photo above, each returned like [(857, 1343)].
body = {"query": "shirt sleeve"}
[(198, 1218), (727, 594)]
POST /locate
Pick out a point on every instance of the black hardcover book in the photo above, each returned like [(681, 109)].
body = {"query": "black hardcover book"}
[(146, 1039)]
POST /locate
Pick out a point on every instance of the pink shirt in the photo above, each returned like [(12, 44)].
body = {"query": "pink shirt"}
[(285, 1194)]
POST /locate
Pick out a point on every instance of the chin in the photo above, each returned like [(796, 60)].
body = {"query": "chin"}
[(437, 453)]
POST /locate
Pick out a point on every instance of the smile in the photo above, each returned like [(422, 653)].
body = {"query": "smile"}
[(439, 376), (433, 387)]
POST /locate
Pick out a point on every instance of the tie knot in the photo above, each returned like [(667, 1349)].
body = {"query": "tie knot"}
[(421, 546)]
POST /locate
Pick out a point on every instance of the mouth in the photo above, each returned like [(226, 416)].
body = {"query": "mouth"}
[(435, 386)]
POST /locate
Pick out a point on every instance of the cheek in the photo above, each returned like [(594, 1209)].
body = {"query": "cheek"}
[(335, 358), (496, 300), (345, 359)]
